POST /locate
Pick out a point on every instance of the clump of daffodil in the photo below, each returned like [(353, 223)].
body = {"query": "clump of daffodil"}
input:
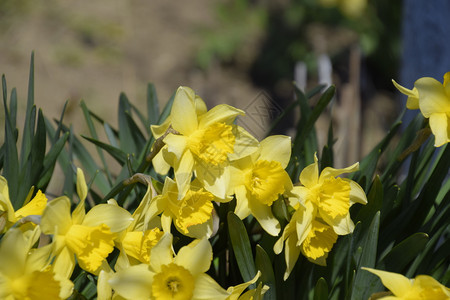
[(167, 277), (421, 287), (200, 141), (8, 217), (88, 236), (26, 273), (433, 100), (259, 179), (321, 214), (191, 215)]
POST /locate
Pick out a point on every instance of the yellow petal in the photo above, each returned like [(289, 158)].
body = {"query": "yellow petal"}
[(176, 144), (332, 172), (244, 145), (242, 209), (81, 185), (357, 194), (263, 213), (64, 263), (334, 199), (291, 254), (276, 148), (310, 175), (159, 130), (115, 217), (133, 282), (432, 96), (161, 253), (183, 173), (173, 282), (183, 113), (398, 284), (440, 126), (319, 241), (430, 287), (342, 225), (13, 252), (413, 95), (159, 163), (138, 244), (221, 113), (56, 215), (208, 288), (237, 290), (202, 230), (195, 257), (215, 179), (35, 207), (5, 202)]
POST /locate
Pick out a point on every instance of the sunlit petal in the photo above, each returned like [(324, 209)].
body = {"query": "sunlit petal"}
[(195, 257), (56, 214), (276, 148)]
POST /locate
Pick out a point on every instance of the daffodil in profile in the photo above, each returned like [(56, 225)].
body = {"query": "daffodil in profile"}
[(421, 287), (200, 141), (433, 100), (259, 179), (29, 212), (88, 236), (180, 277), (25, 273)]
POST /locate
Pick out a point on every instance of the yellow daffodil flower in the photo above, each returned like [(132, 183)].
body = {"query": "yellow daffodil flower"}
[(25, 273), (191, 215), (259, 179), (8, 217), (201, 141), (422, 287), (433, 100), (330, 195), (321, 214), (168, 277), (90, 237)]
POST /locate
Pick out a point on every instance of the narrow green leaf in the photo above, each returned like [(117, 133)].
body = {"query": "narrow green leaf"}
[(364, 285), (125, 134), (38, 149), (110, 135), (117, 154), (13, 107), (241, 247), (264, 265), (166, 110), (152, 105), (407, 250), (30, 117), (50, 161), (321, 290), (136, 134), (374, 202), (93, 132)]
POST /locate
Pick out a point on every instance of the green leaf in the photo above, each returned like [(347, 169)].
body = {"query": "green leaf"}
[(50, 161), (241, 246), (374, 202), (13, 108), (117, 154), (264, 265), (125, 133), (364, 286), (321, 290), (407, 250), (152, 105), (166, 110), (30, 117)]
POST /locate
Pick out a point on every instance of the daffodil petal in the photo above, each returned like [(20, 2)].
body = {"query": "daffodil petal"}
[(176, 144), (115, 217), (183, 173), (440, 126), (242, 209), (310, 175), (215, 179), (35, 207), (291, 254), (64, 263), (56, 215), (357, 194), (221, 113), (342, 225), (263, 213), (161, 253), (398, 284), (195, 257), (237, 290), (332, 172), (277, 148), (244, 144), (199, 231), (183, 113), (160, 164), (207, 288), (133, 282), (432, 95), (413, 95)]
